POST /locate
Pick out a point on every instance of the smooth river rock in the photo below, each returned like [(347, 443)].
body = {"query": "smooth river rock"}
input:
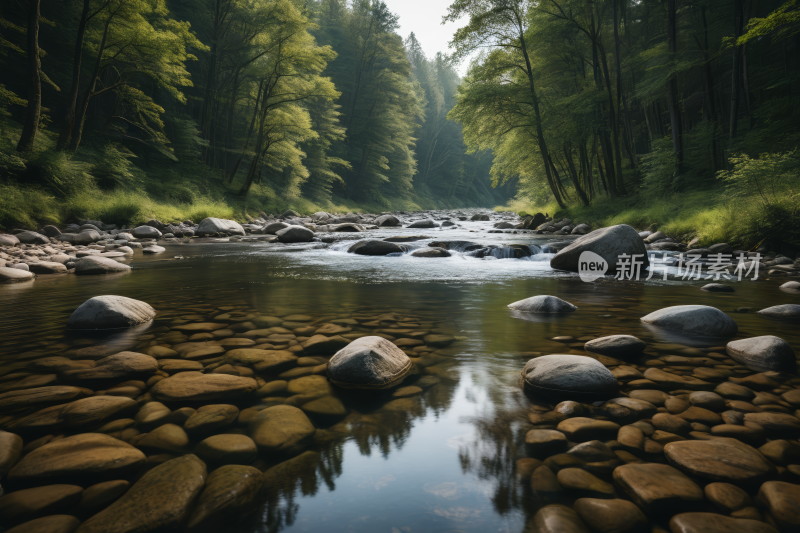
[(620, 346), (782, 500), (657, 488), (292, 234), (283, 429), (609, 243), (763, 353), (368, 363), (719, 459), (715, 523), (543, 304), (231, 492), (195, 386), (569, 377), (211, 225), (110, 312), (117, 366), (88, 455), (699, 320), (785, 311), (14, 275), (374, 247), (99, 265), (160, 500)]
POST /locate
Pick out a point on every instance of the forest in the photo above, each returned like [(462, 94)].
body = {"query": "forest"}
[(681, 113), (126, 109), (678, 112)]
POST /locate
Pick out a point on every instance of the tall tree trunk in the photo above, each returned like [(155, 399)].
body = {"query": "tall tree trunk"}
[(735, 73), (83, 106), (249, 133), (672, 88), (69, 120), (622, 100), (574, 175), (535, 99), (34, 109)]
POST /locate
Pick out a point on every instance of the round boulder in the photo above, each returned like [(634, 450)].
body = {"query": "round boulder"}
[(543, 304), (13, 275), (570, 377), (146, 232), (110, 312), (700, 320), (99, 265), (387, 220), (763, 353), (609, 243), (785, 311), (368, 363), (431, 252), (292, 234), (212, 226), (374, 247), (427, 223)]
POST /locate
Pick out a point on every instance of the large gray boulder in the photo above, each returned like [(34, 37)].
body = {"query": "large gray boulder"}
[(110, 312), (763, 353), (374, 247), (427, 223), (146, 232), (543, 304), (368, 363), (292, 234), (99, 265), (13, 275), (387, 220), (31, 237), (700, 320), (570, 377), (782, 311), (274, 227), (211, 225), (609, 243), (620, 346)]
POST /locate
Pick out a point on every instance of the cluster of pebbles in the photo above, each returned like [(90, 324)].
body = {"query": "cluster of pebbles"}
[(207, 415), (627, 436)]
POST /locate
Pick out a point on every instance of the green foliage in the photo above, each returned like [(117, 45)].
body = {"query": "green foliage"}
[(658, 168), (770, 179), (113, 167)]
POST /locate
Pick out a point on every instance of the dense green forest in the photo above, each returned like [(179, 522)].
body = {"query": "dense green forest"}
[(639, 111), (681, 113), (126, 109)]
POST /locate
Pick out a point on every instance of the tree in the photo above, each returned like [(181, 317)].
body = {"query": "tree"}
[(34, 108)]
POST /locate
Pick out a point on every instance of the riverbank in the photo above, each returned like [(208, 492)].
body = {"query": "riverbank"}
[(711, 216)]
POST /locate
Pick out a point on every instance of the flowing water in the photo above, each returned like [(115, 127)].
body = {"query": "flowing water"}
[(440, 461)]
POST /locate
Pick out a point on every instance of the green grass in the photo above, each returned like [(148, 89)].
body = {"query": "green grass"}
[(708, 215), (61, 189)]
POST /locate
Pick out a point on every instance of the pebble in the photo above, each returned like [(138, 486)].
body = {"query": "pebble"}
[(611, 515), (715, 523)]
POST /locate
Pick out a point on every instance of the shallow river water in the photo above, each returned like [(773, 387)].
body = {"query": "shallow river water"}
[(440, 461)]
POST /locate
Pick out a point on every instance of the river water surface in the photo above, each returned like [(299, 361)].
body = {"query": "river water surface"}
[(443, 461)]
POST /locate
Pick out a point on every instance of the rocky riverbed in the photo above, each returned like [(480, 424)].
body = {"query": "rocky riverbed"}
[(265, 395)]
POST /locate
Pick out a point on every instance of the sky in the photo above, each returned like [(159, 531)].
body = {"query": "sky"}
[(424, 18)]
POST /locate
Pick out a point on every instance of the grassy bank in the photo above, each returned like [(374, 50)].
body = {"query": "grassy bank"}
[(711, 215), (115, 186)]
